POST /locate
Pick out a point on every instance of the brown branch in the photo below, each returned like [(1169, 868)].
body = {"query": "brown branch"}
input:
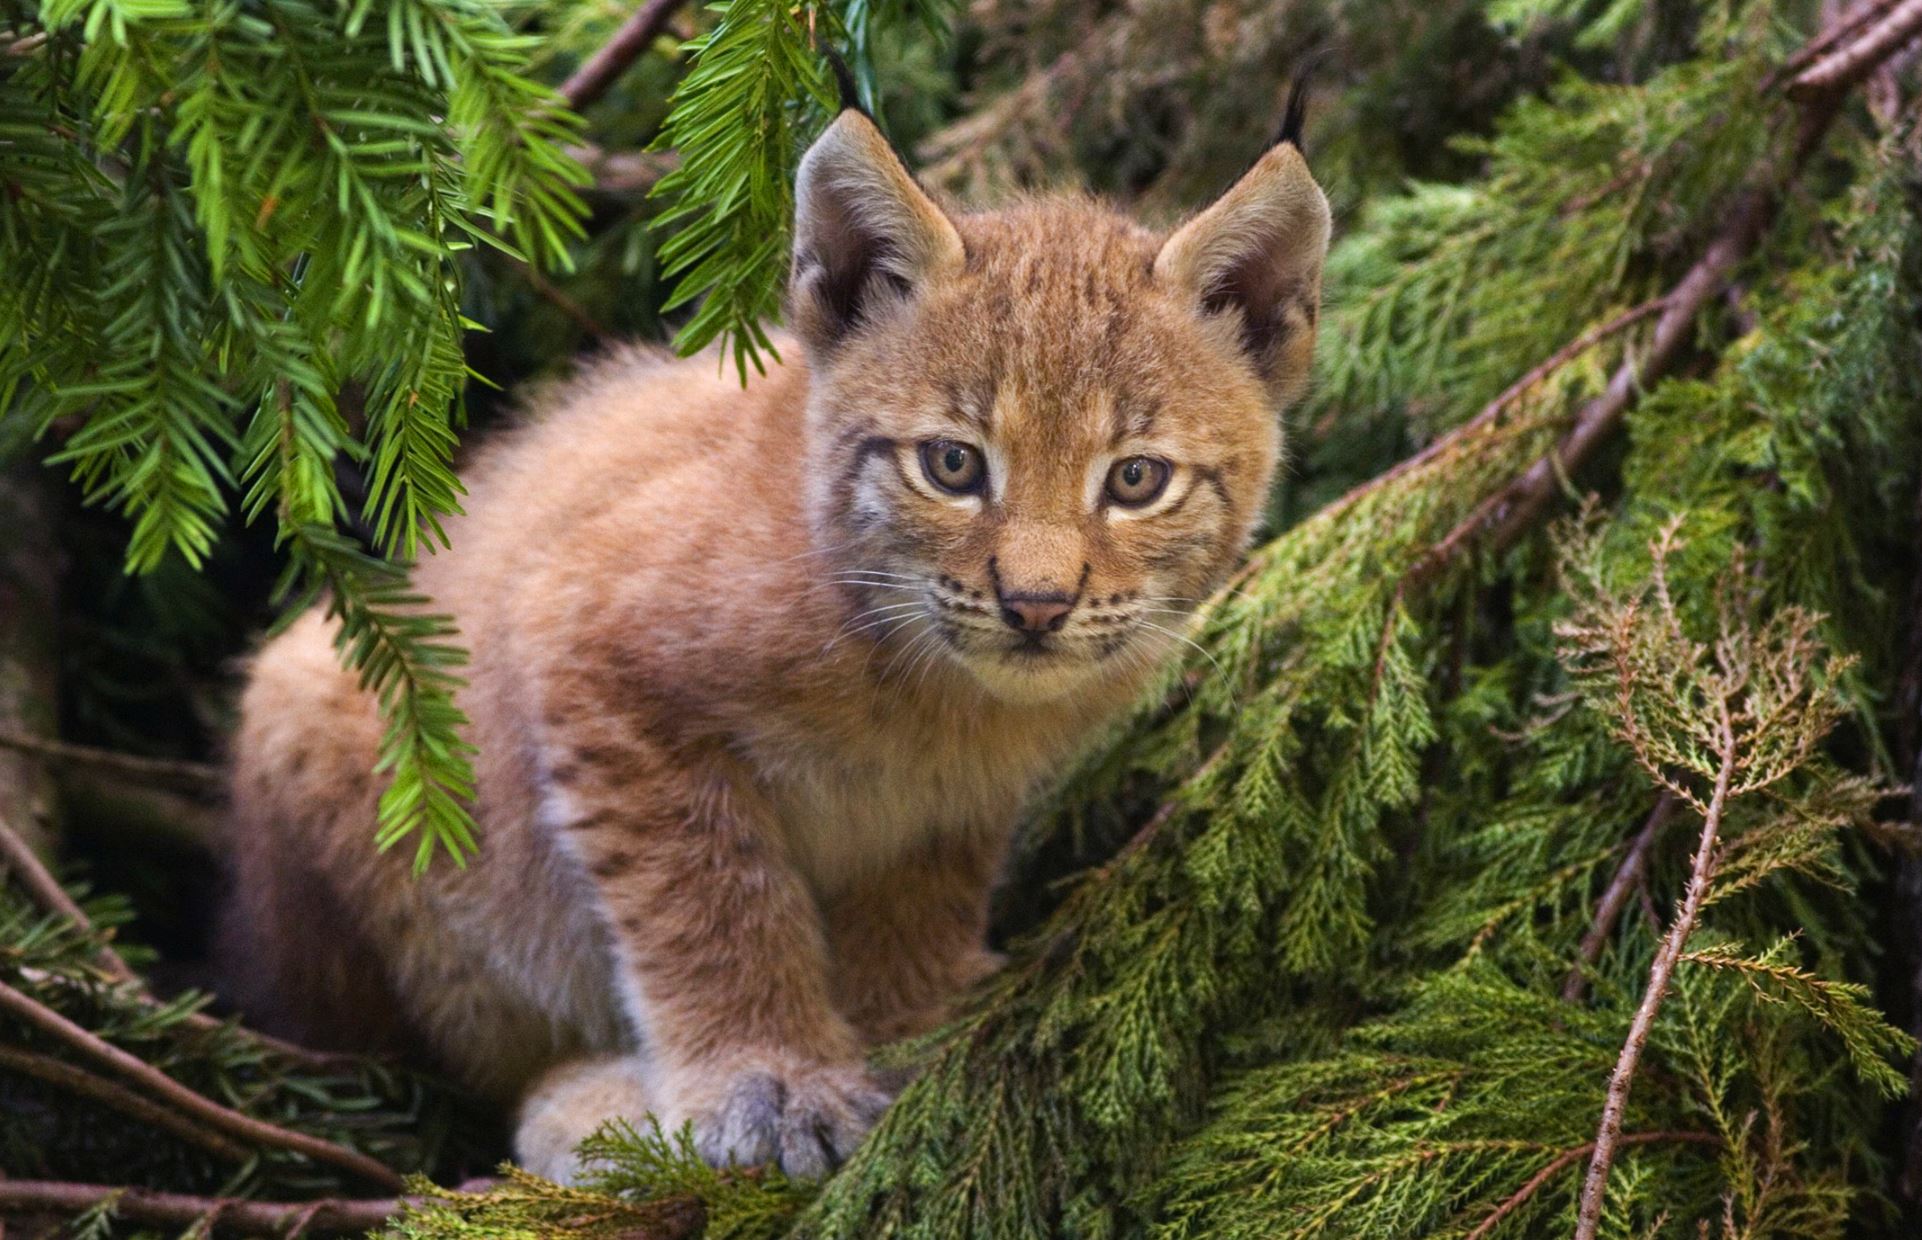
[(267, 1218), (624, 172), (1859, 57), (557, 297), (1494, 409), (1627, 880), (199, 776), (75, 1080), (224, 1119), (1846, 28), (44, 888), (1507, 514), (47, 891), (1608, 1136), (636, 35), (1562, 1161), (138, 812)]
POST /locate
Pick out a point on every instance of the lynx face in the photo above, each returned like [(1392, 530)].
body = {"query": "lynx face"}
[(1038, 438)]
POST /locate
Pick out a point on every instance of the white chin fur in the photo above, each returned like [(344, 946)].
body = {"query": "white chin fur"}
[(1034, 680)]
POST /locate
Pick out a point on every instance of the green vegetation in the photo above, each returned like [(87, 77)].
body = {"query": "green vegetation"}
[(1583, 649)]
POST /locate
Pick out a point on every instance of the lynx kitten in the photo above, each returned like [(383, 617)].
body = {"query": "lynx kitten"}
[(762, 678)]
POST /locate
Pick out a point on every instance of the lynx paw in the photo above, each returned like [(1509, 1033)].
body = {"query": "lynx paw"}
[(569, 1103), (808, 1119)]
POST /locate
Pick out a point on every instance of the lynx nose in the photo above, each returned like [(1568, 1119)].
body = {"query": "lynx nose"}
[(1035, 613)]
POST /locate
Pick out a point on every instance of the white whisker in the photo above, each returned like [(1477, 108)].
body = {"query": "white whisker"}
[(919, 641), (933, 657), (829, 550), (873, 617), (1203, 650)]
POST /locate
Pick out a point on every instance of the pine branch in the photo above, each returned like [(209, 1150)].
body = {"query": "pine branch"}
[(1492, 412), (1848, 27), (214, 1115), (1627, 880), (1860, 56), (1608, 1136), (736, 119), (1563, 1161), (589, 82), (1504, 516), (407, 660), (201, 1215)]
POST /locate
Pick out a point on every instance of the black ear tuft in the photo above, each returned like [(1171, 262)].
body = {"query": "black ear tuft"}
[(844, 81), (1295, 115)]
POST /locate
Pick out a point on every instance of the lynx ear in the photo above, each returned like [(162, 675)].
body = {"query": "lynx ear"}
[(865, 235), (1257, 254)]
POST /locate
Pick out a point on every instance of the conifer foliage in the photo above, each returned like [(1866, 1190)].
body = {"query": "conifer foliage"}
[(223, 216), (1510, 858)]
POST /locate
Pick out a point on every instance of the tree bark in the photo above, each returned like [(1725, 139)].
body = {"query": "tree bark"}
[(29, 576)]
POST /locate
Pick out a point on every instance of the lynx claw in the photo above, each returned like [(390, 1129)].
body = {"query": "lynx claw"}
[(808, 1123)]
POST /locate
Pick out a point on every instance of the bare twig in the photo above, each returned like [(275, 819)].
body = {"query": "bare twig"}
[(1859, 56), (557, 297), (137, 810), (66, 1076), (1627, 880), (47, 891), (199, 776), (1608, 1136), (1850, 25), (1567, 1158), (267, 1218), (624, 172), (158, 1083), (636, 35)]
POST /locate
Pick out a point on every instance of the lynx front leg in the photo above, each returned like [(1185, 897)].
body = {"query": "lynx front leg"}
[(909, 942), (720, 959)]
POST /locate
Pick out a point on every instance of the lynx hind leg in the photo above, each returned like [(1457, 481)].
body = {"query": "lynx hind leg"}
[(572, 1100), (296, 953)]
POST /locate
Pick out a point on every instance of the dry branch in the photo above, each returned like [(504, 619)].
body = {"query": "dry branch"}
[(267, 1218), (1608, 1137), (1858, 57), (199, 777), (1494, 409), (624, 172), (214, 1115), (66, 1076), (636, 35), (44, 888), (20, 860), (1568, 1158), (1847, 27), (1627, 880)]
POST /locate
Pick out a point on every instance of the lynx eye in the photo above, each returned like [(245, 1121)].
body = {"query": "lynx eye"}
[(1138, 481), (954, 467)]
